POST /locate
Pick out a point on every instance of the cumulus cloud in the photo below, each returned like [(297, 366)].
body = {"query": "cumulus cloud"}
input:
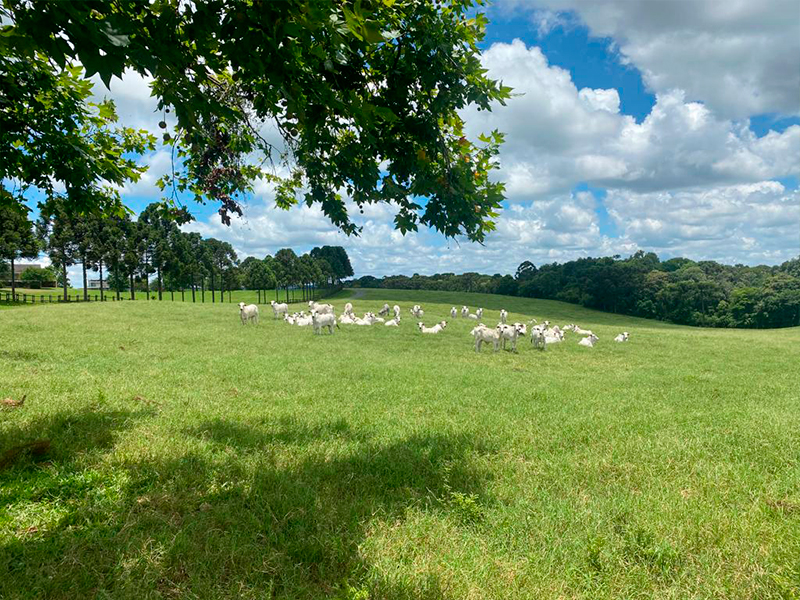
[(750, 223), (739, 57), (558, 135)]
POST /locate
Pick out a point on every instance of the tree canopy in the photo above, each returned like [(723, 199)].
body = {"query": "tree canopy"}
[(366, 97)]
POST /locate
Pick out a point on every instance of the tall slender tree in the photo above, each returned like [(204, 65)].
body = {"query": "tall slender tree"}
[(56, 228), (17, 239)]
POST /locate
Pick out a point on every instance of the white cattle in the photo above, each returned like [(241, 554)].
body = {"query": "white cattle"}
[(538, 339), (503, 316), (347, 319), (393, 323), (553, 338), (348, 308), (323, 309), (279, 308), (590, 341), (322, 320), (482, 334), (508, 332), (384, 311), (367, 320), (580, 331), (396, 310), (622, 337), (248, 313), (304, 321), (417, 311), (479, 313), (523, 329), (464, 312), (435, 329), (471, 316), (453, 312)]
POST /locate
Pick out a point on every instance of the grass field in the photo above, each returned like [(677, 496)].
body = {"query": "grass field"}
[(192, 457)]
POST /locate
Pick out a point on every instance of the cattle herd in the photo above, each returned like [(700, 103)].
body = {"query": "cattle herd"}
[(323, 316)]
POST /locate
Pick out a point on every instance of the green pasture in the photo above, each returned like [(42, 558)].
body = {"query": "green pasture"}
[(193, 457)]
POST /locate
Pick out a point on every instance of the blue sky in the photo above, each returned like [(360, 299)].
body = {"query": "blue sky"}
[(671, 127), (591, 60)]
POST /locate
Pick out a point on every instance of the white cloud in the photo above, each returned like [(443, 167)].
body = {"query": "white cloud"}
[(738, 56), (135, 106), (748, 223), (558, 136), (158, 164)]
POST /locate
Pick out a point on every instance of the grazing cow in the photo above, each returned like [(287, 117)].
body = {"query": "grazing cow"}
[(322, 320), (248, 313), (482, 334), (508, 332), (279, 308), (538, 339)]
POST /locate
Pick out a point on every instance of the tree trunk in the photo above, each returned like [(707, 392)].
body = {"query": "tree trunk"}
[(64, 272), (203, 289), (13, 282), (213, 296), (160, 283), (85, 280), (133, 293), (193, 286), (101, 281)]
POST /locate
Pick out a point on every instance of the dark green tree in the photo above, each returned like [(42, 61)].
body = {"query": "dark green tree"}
[(367, 97), (56, 229), (17, 238)]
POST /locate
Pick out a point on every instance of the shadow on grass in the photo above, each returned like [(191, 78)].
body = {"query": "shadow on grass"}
[(286, 431), (271, 512)]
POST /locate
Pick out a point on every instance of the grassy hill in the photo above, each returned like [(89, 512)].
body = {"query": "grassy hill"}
[(192, 457)]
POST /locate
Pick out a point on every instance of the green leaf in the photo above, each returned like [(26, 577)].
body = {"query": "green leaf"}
[(373, 33)]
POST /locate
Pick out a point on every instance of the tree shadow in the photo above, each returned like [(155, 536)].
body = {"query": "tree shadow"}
[(274, 521), (72, 435), (286, 430)]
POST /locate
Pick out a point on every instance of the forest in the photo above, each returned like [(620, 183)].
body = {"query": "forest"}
[(678, 290)]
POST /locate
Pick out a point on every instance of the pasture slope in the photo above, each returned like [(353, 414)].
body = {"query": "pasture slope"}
[(193, 457)]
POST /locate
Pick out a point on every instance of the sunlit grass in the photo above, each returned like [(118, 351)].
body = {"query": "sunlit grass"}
[(194, 457)]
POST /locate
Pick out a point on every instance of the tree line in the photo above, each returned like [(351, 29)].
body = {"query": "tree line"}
[(152, 253), (679, 290)]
